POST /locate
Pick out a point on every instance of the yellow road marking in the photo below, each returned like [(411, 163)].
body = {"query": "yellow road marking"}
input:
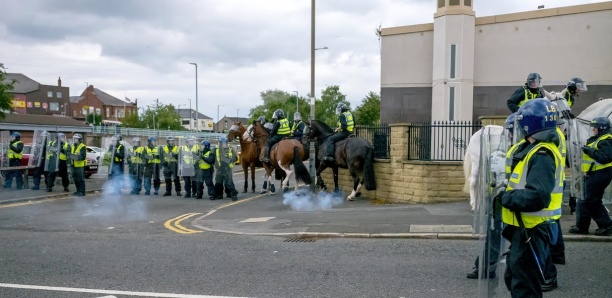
[(26, 203), (178, 227)]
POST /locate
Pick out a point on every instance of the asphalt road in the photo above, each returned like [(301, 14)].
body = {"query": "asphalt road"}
[(130, 246)]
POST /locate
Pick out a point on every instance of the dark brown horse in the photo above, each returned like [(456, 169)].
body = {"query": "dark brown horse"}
[(282, 156), (354, 154), (249, 159)]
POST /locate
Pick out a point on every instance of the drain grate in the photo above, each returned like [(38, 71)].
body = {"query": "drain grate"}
[(300, 240)]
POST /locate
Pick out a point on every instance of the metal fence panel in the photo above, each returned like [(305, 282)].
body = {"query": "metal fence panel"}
[(379, 136), (125, 131), (440, 140)]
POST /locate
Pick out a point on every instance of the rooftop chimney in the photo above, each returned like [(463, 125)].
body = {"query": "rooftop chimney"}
[(59, 82)]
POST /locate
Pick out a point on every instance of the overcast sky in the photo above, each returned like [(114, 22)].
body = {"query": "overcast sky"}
[(142, 49)]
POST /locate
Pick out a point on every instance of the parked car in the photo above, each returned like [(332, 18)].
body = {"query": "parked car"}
[(94, 153)]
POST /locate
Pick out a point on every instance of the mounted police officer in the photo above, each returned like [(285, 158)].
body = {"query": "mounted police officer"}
[(573, 87), (532, 89), (14, 156), (346, 124), (597, 167), (170, 165), (297, 129), (78, 157), (279, 131), (135, 166), (152, 166), (116, 174), (63, 165), (207, 160), (224, 162), (532, 201)]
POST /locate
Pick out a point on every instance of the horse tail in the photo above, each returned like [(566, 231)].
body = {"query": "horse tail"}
[(467, 171), (368, 170), (301, 172)]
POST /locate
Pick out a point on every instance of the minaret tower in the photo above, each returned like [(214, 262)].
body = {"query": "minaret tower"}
[(453, 61)]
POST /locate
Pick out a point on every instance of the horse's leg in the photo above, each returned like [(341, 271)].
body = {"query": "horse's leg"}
[(288, 173), (320, 181), (336, 188), (356, 184), (245, 169), (265, 185), (252, 166), (271, 188)]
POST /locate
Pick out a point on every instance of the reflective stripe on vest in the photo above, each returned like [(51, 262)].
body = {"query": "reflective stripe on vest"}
[(62, 154), (283, 129), (562, 147), (587, 161), (518, 180), (229, 154), (509, 156), (80, 163), (528, 96), (12, 154), (295, 126), (50, 153), (117, 150), (204, 165)]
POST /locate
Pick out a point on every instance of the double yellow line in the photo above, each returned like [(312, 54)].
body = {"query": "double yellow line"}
[(175, 224)]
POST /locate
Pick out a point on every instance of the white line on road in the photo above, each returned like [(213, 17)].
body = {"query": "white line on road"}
[(109, 292)]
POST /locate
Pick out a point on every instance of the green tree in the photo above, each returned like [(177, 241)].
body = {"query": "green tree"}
[(368, 113), (6, 98), (325, 108), (169, 118), (279, 99), (96, 119), (133, 120)]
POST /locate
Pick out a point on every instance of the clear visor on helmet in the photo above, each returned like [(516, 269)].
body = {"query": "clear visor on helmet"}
[(535, 83), (581, 86), (517, 134), (275, 116), (297, 117), (338, 110), (76, 139)]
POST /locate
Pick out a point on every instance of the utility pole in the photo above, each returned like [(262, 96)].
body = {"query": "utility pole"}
[(197, 110), (311, 158)]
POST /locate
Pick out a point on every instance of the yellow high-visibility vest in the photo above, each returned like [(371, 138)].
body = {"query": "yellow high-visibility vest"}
[(153, 155), (170, 157), (528, 96), (283, 129), (229, 154), (78, 163), (587, 161), (204, 165), (12, 154), (62, 154), (136, 156), (350, 124)]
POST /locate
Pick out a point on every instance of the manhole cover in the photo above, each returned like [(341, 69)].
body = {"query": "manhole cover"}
[(300, 240)]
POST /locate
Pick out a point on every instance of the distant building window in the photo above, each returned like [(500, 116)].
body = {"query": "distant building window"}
[(84, 112), (441, 3), (453, 54), (98, 111), (74, 113), (107, 112), (453, 2), (451, 104), (185, 122), (468, 3), (58, 94), (49, 93), (54, 106), (91, 110)]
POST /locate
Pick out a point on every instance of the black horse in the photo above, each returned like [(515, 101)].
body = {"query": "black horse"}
[(354, 154)]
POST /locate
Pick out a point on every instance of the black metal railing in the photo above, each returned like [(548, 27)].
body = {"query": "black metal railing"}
[(379, 136), (440, 140)]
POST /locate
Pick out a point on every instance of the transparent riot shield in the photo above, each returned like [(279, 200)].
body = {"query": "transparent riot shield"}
[(108, 155), (38, 146), (5, 142), (491, 178), (52, 153), (187, 157), (136, 157), (69, 163), (577, 135)]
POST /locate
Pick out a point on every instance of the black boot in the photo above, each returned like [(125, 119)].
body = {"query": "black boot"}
[(266, 155)]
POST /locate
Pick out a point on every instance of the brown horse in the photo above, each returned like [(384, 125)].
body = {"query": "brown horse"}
[(248, 154), (282, 155)]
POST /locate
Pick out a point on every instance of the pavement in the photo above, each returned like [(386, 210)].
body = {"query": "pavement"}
[(300, 215)]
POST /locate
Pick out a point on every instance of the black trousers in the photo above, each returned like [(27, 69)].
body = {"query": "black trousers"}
[(223, 179), (78, 176), (207, 177), (170, 172), (333, 139), (592, 206), (17, 174), (39, 172)]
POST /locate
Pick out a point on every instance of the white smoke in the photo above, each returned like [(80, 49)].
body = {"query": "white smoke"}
[(304, 200), (109, 204)]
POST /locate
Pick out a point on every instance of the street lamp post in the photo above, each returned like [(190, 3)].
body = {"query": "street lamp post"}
[(218, 116), (190, 114), (87, 100), (237, 112), (311, 158), (297, 101), (197, 110)]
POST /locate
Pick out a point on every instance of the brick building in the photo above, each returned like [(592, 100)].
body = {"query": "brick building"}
[(225, 123), (32, 97), (93, 100)]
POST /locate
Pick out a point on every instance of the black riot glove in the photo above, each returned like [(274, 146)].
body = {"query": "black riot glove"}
[(588, 150)]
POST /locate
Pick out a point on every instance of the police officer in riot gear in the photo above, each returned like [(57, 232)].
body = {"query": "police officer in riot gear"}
[(573, 87), (14, 156), (532, 201), (170, 165), (51, 161), (78, 157), (63, 165), (532, 89), (152, 166), (39, 170), (116, 174), (225, 157), (597, 167), (135, 166), (279, 131), (191, 185), (346, 124), (207, 160), (297, 129)]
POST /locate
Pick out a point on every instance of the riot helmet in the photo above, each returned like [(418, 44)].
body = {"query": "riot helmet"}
[(278, 114), (262, 120), (534, 81), (152, 141), (342, 107), (223, 142), (297, 116), (190, 140), (537, 115), (77, 138), (61, 137), (16, 136), (205, 144), (136, 141), (576, 84), (170, 141), (602, 124), (510, 126)]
